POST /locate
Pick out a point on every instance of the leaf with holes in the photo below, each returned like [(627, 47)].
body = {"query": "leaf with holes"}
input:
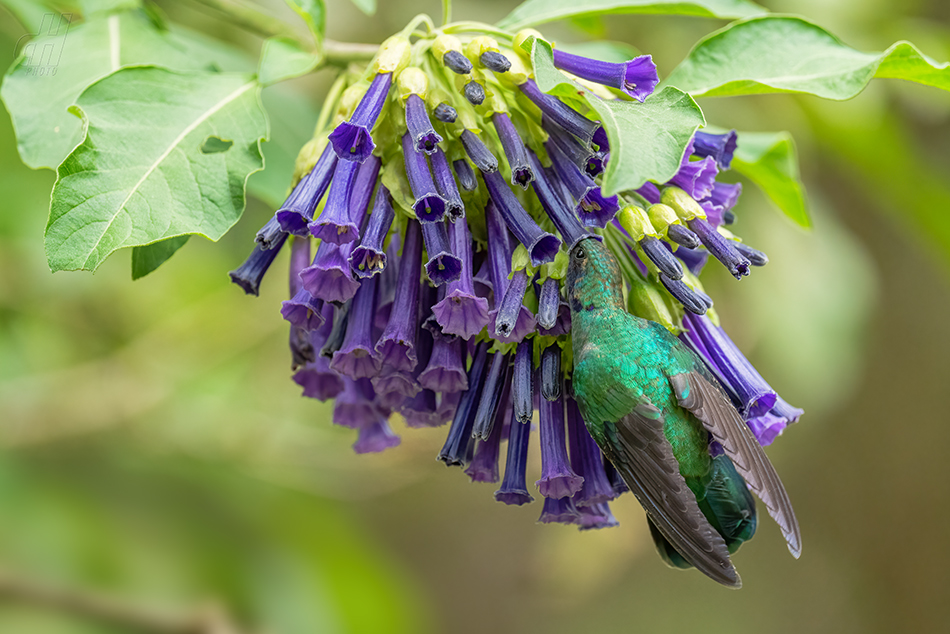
[(155, 162)]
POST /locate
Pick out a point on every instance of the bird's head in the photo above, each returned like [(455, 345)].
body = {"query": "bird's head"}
[(593, 277)]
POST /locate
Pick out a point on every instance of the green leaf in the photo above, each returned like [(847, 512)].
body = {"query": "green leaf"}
[(92, 7), (284, 58), (38, 94), (32, 14), (775, 54), (140, 174), (647, 140), (366, 6), (146, 259), (603, 50), (770, 161), (534, 12), (314, 13)]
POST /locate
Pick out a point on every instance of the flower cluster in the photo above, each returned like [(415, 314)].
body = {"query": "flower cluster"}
[(429, 225)]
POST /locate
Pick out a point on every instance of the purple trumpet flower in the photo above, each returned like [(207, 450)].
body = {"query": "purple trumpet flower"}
[(495, 382), (541, 246), (484, 160), (375, 437), (696, 178), (499, 259), (297, 211), (421, 410), (302, 310), (596, 516), (484, 465), (446, 369), (522, 388), (720, 248), (443, 266), (417, 405), (720, 147), (455, 450), (461, 312), (602, 142), (249, 275), (352, 140), (755, 257), (301, 350), (593, 208), (369, 258), (770, 425), (562, 325), (316, 378), (345, 208), (329, 278), (561, 113), (356, 358), (649, 192), (551, 373), (465, 174), (445, 183), (394, 387), (354, 407), (268, 234), (420, 128), (556, 206), (386, 293), (558, 480), (396, 346), (694, 259), (549, 302), (559, 511), (693, 301), (429, 206), (522, 172), (723, 198), (337, 330), (637, 77), (588, 161), (586, 461), (514, 489), (507, 314)]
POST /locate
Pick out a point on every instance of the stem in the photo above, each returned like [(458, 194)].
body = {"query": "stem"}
[(478, 27), (342, 53), (446, 12), (250, 18), (422, 18)]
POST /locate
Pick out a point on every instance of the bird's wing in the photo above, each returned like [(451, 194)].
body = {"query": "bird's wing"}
[(712, 407), (641, 453)]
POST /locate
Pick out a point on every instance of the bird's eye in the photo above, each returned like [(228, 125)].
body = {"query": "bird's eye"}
[(580, 254)]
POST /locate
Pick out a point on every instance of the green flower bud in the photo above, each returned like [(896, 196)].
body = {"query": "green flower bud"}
[(682, 203), (412, 81), (393, 55), (636, 223)]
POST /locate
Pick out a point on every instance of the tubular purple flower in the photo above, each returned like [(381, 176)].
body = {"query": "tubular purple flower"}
[(302, 310), (549, 301), (508, 313), (301, 350), (329, 277), (522, 388), (521, 171), (551, 372), (558, 480), (499, 260), (593, 208), (443, 266), (297, 211), (596, 516), (561, 113), (461, 312), (356, 358), (602, 142), (721, 200), (560, 511), (396, 346), (369, 258), (338, 318), (495, 382), (455, 450), (352, 140), (429, 206), (683, 237), (420, 128), (375, 437), (562, 325), (694, 259), (619, 486), (421, 410), (637, 78), (589, 161), (448, 405), (649, 192), (586, 461), (466, 174), (393, 387), (354, 406), (541, 246), (249, 275), (720, 248), (514, 489), (445, 183), (755, 257), (556, 207), (662, 257), (484, 465), (690, 299), (484, 160), (316, 378), (335, 224), (445, 371), (268, 235), (720, 147), (696, 178)]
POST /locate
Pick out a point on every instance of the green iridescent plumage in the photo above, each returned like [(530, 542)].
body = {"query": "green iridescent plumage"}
[(651, 405)]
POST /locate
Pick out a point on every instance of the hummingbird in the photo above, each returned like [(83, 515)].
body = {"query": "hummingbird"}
[(652, 406)]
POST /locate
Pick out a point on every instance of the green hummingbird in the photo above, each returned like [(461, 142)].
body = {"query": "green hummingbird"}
[(652, 406)]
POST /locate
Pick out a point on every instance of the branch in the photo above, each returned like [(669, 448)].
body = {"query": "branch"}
[(342, 53), (110, 610)]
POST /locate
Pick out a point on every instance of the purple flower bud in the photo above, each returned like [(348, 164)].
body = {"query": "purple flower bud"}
[(549, 302), (443, 266), (249, 275), (335, 224), (720, 147), (356, 358), (474, 92), (662, 257), (728, 217), (268, 235), (457, 62), (445, 184), (514, 489), (477, 151), (499, 257), (369, 258), (596, 516), (755, 257), (556, 206), (522, 389), (593, 208), (466, 174), (396, 346), (689, 298), (508, 313), (428, 206), (637, 78), (720, 248), (696, 178), (551, 373), (561, 113), (445, 113), (560, 511), (495, 383), (461, 312), (495, 61), (683, 237), (541, 246), (352, 140), (558, 480), (445, 371), (588, 161), (484, 465), (586, 461), (521, 171), (455, 450), (329, 277), (420, 128), (297, 211), (354, 406), (375, 437)]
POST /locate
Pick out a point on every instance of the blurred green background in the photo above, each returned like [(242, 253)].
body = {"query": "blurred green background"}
[(154, 450)]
